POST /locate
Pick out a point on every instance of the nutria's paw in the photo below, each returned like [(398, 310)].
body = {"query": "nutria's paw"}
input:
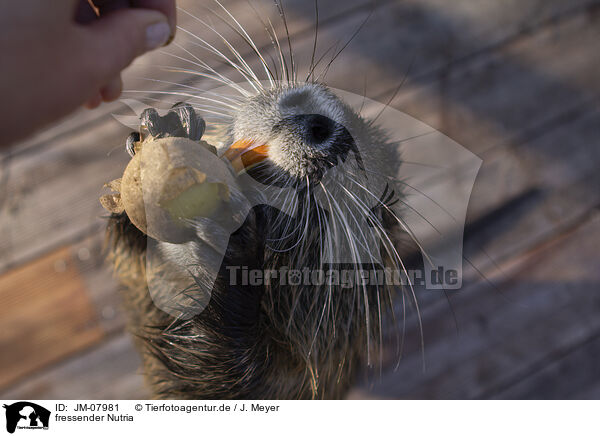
[(181, 121)]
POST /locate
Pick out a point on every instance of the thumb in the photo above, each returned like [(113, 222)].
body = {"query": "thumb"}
[(119, 37)]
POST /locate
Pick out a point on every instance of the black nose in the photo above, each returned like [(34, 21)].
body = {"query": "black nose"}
[(318, 129), (314, 129), (326, 143)]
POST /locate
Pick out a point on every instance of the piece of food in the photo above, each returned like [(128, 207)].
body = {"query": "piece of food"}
[(112, 202), (186, 194), (168, 183)]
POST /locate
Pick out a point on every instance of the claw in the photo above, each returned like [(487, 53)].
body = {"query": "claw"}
[(193, 125), (181, 121), (130, 143)]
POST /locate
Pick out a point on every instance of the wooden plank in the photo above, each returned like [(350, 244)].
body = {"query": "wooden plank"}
[(526, 193), (424, 27), (109, 371), (545, 305), (558, 170), (45, 315), (442, 45), (102, 287), (571, 376), (52, 195), (513, 93), (591, 392), (549, 161)]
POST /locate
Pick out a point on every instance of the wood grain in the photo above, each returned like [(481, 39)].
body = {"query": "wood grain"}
[(45, 316), (546, 304), (109, 370)]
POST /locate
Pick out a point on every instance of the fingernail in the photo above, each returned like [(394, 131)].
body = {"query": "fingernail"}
[(157, 34)]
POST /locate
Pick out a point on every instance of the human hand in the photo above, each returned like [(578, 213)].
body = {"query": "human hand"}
[(57, 55)]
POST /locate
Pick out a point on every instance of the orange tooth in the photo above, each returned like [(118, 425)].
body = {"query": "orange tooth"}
[(242, 156), (237, 148)]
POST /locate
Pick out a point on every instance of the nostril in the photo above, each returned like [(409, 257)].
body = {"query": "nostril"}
[(319, 129)]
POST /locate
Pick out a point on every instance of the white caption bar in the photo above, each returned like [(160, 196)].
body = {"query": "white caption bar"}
[(301, 417)]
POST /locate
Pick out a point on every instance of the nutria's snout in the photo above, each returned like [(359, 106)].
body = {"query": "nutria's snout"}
[(305, 128)]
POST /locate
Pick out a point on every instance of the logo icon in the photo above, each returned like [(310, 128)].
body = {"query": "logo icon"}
[(26, 415)]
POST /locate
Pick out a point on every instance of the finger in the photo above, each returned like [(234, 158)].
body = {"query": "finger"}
[(112, 90), (113, 42), (87, 13), (94, 102), (167, 7)]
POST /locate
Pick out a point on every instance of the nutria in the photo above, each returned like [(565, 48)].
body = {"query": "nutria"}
[(278, 339)]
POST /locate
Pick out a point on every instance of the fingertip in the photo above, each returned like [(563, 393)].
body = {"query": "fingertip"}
[(157, 35), (112, 90), (115, 40), (166, 7), (94, 102)]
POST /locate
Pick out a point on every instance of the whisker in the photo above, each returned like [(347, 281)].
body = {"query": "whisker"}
[(212, 100), (410, 65), (364, 100), (279, 5), (200, 63), (372, 258), (336, 209), (396, 256), (314, 50), (231, 48), (313, 68), (246, 37), (400, 221), (203, 107), (183, 94), (211, 49), (272, 37), (354, 35)]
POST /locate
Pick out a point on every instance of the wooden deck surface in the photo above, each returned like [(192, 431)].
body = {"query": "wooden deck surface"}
[(516, 82)]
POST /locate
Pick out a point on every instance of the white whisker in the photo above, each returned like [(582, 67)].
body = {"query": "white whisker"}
[(394, 257), (208, 47), (250, 42), (183, 94), (212, 100)]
